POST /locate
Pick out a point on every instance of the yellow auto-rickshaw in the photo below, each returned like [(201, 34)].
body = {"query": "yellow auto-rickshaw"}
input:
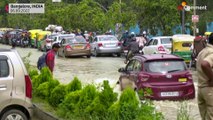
[(207, 33), (41, 37), (33, 36), (182, 46)]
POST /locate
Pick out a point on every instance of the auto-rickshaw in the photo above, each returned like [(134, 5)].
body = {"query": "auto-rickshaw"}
[(181, 46), (33, 36), (5, 29), (41, 37)]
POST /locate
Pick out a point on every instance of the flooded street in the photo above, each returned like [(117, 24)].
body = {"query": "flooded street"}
[(95, 70)]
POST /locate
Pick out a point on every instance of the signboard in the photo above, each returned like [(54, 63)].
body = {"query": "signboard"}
[(56, 0), (22, 8), (195, 18)]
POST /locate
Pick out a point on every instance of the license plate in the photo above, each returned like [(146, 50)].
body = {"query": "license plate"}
[(169, 94), (182, 79), (78, 47)]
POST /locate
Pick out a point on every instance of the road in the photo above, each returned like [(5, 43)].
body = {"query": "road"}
[(95, 70)]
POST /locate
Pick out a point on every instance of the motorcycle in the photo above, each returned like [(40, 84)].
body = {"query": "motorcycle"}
[(24, 43)]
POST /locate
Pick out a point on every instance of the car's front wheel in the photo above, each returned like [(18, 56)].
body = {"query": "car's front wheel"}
[(14, 114)]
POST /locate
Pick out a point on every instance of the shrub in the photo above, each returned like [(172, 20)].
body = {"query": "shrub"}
[(128, 104), (67, 107), (57, 95), (45, 75), (26, 61), (183, 112), (74, 85), (43, 90), (102, 102), (33, 73), (88, 94)]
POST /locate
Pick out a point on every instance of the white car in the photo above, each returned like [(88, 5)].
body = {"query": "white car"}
[(161, 44), (59, 37)]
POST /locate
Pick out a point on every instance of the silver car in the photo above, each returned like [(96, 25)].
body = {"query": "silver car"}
[(105, 44), (15, 87)]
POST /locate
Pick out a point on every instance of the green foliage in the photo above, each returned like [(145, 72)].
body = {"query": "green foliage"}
[(45, 75), (57, 95), (102, 102), (74, 85), (43, 90), (33, 73), (26, 61), (69, 104), (183, 112)]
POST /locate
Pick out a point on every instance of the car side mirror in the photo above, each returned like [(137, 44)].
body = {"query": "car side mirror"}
[(121, 70)]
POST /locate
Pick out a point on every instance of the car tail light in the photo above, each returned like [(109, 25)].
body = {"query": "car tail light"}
[(100, 44), (143, 77), (119, 43), (88, 46), (28, 87), (68, 48), (161, 48)]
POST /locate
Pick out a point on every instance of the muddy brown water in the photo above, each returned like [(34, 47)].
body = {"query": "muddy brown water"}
[(95, 70)]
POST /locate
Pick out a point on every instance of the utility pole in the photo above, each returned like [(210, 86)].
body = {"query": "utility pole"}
[(195, 26), (183, 21)]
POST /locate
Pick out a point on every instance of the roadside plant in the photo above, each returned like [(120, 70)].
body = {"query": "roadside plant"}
[(183, 111), (26, 61), (74, 85), (33, 73), (100, 105), (57, 95)]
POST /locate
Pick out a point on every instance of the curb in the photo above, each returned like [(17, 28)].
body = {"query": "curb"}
[(42, 115)]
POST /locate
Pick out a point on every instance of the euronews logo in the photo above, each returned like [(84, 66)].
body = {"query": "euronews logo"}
[(189, 8)]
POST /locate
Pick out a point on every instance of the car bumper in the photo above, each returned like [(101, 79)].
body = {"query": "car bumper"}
[(78, 53), (110, 50), (177, 92)]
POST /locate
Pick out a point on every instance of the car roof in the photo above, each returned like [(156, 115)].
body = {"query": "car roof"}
[(159, 57), (4, 50), (158, 37), (105, 36), (66, 35)]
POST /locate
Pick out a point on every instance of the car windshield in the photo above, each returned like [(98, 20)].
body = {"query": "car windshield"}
[(166, 66), (76, 40), (166, 40), (110, 38), (65, 37)]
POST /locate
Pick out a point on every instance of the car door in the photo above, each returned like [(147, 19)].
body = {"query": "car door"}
[(125, 80), (148, 48), (62, 47), (6, 80), (154, 47)]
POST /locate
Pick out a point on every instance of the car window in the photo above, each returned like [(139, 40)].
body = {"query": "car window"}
[(155, 42), (186, 44), (4, 68), (96, 39), (108, 38), (150, 42), (166, 40), (130, 65), (166, 66), (137, 66), (80, 39)]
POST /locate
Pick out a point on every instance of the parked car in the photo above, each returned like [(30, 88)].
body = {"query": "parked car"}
[(46, 42), (165, 74), (15, 87), (161, 44), (59, 37), (106, 44), (76, 46)]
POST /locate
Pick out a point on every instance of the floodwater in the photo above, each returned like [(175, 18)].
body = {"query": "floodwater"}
[(95, 70)]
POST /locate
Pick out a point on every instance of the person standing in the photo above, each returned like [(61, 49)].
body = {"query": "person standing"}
[(50, 57), (205, 81)]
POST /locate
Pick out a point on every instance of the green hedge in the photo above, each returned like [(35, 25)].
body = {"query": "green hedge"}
[(74, 102)]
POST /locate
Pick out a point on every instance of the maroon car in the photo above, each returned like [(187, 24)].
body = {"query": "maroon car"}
[(166, 75)]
